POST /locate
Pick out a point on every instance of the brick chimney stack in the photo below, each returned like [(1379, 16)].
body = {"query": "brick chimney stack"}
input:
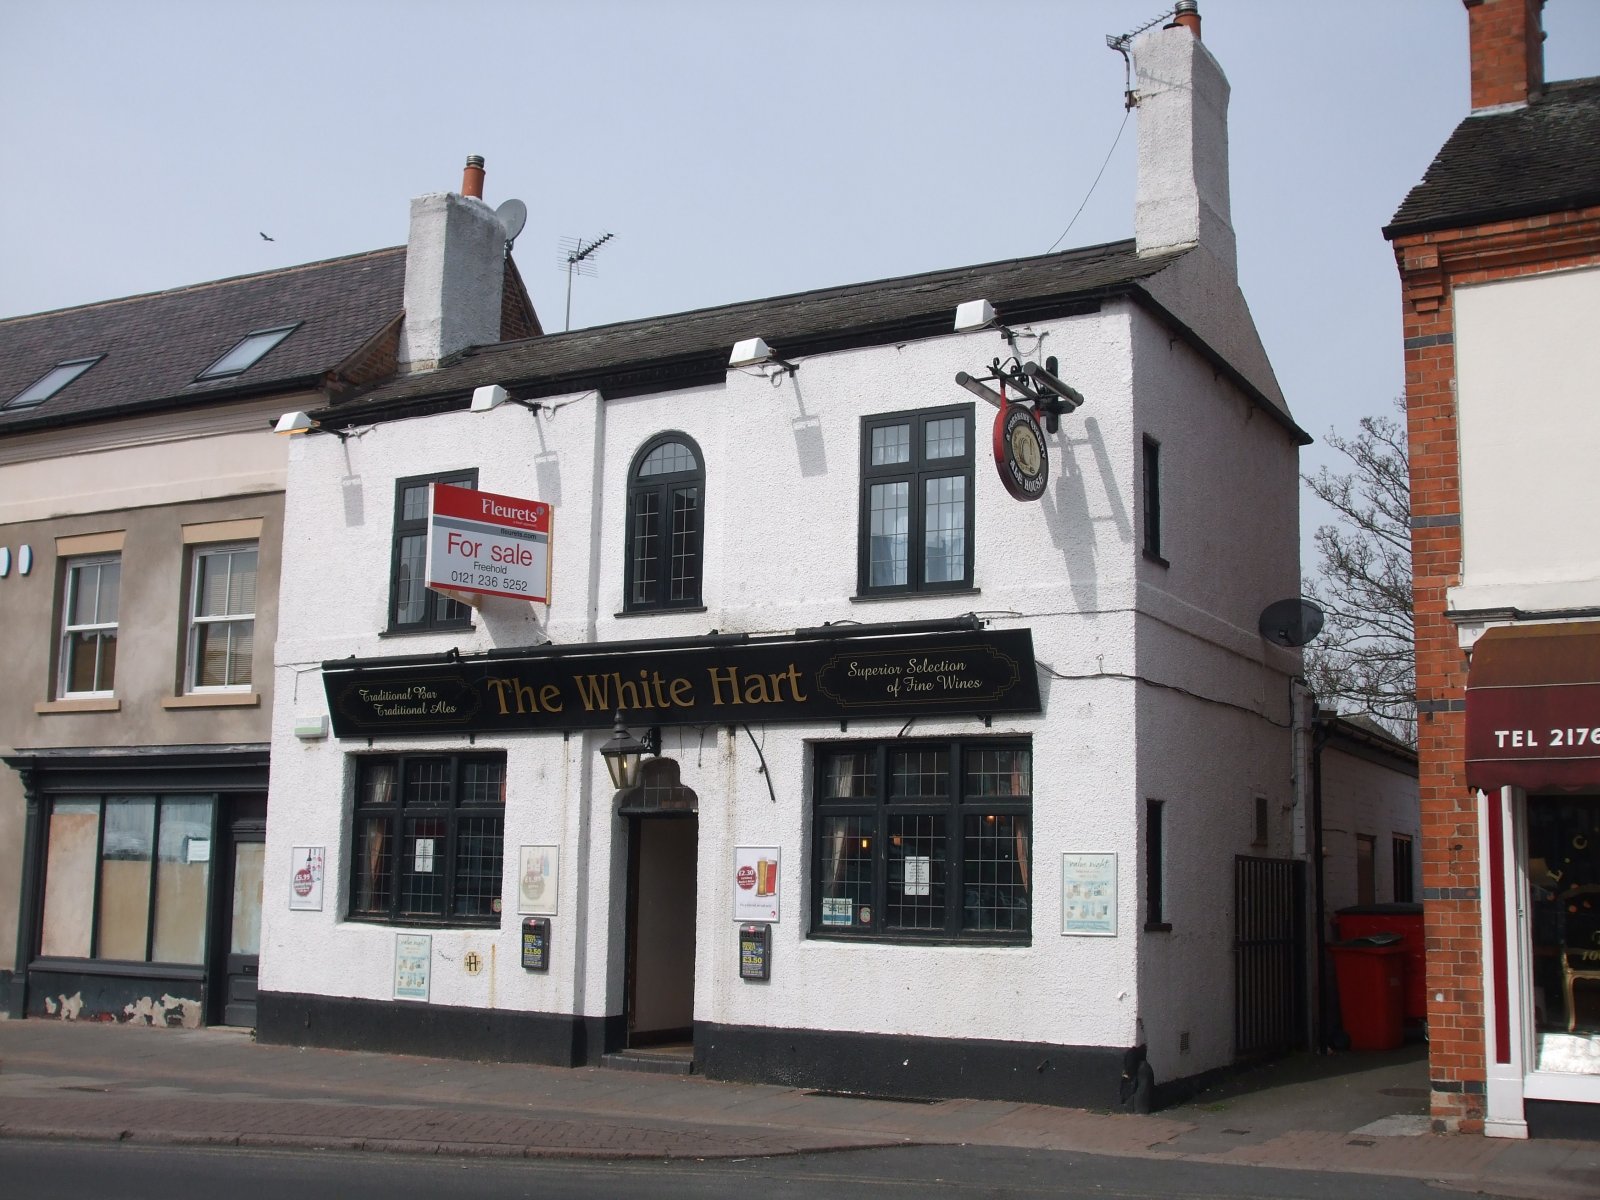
[(1507, 40)]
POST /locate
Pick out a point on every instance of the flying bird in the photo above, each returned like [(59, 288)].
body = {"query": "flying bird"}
[(265, 238)]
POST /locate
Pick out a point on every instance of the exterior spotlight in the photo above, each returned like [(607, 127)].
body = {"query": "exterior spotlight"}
[(299, 422), (974, 314), (295, 422), (491, 396), (624, 754), (752, 352)]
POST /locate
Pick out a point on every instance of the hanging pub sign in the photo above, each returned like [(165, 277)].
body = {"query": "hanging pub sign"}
[(487, 544), (978, 672), (1020, 453)]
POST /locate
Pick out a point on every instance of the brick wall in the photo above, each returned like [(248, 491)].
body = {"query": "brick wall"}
[(1431, 266)]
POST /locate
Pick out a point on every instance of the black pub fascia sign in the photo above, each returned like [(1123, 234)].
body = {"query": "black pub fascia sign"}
[(727, 681)]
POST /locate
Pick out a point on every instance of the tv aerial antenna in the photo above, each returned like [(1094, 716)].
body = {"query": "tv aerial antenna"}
[(577, 256), (1122, 43)]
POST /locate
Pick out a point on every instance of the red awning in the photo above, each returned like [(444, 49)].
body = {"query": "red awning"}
[(1533, 708)]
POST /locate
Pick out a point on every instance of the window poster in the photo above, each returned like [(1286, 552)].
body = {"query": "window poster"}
[(538, 880), (305, 881), (424, 864), (413, 964), (1089, 895), (837, 910), (755, 883)]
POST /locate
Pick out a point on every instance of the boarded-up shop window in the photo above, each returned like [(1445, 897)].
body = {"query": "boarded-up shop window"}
[(69, 879)]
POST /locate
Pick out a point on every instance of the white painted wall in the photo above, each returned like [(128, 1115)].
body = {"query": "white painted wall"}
[(1527, 359), (1361, 795), (780, 551)]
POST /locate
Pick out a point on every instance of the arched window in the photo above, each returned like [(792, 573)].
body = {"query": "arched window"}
[(666, 521)]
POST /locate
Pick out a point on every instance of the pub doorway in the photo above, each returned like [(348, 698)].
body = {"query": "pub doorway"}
[(663, 851)]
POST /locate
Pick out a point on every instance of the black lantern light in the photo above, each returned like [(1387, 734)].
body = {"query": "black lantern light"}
[(623, 754)]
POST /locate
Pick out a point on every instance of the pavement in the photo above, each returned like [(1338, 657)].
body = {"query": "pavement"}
[(1362, 1113)]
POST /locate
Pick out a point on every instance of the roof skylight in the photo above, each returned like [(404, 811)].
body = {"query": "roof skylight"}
[(250, 350), (53, 380)]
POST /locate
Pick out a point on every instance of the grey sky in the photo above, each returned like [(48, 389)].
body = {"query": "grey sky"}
[(737, 149)]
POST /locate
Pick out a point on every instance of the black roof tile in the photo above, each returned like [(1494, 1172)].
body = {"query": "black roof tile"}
[(806, 322), (1541, 157), (156, 344)]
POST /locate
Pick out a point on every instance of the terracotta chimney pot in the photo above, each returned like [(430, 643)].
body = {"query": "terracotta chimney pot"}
[(1187, 14), (472, 177)]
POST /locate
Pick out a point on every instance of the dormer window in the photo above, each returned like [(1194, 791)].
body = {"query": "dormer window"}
[(250, 350), (53, 380)]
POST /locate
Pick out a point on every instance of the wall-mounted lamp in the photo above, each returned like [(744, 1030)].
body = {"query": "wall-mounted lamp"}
[(624, 753), (298, 422), (974, 314), (752, 352), (491, 396)]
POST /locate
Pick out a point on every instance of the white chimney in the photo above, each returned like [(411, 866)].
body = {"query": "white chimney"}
[(1183, 142), (455, 270)]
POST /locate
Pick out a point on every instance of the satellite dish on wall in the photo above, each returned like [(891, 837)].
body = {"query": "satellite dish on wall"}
[(1292, 622), (513, 215)]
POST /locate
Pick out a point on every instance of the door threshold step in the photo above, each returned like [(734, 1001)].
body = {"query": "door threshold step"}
[(655, 1062)]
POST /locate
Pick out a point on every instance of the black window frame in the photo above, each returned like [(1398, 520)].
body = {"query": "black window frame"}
[(660, 593), (916, 473), (1403, 868), (393, 811), (439, 612), (1155, 866), (965, 882), (1150, 497), (36, 393), (216, 371)]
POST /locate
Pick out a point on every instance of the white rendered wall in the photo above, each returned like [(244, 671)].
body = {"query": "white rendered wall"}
[(1526, 363), (1215, 711), (782, 496)]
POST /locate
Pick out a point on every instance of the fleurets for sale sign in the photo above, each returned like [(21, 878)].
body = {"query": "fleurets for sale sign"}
[(490, 544)]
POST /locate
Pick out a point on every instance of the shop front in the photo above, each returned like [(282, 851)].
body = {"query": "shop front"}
[(141, 885), (1533, 756)]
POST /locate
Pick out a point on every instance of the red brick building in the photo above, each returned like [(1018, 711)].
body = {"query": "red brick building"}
[(1499, 255)]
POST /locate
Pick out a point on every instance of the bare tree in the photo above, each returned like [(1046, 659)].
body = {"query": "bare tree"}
[(1364, 662)]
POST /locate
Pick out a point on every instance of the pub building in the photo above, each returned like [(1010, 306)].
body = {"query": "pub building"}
[(747, 689)]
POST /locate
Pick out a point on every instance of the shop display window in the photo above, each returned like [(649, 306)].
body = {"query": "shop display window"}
[(128, 878), (1564, 927), (923, 840)]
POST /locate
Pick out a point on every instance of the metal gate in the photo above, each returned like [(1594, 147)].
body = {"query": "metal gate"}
[(1269, 955)]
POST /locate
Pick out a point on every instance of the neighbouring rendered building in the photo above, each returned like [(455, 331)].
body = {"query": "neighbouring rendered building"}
[(1499, 255), (971, 748), (141, 516)]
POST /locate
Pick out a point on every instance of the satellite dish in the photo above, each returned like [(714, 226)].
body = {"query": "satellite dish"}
[(1292, 622), (513, 215)]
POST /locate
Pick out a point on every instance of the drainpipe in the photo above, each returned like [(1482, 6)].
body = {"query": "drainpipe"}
[(1319, 739)]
